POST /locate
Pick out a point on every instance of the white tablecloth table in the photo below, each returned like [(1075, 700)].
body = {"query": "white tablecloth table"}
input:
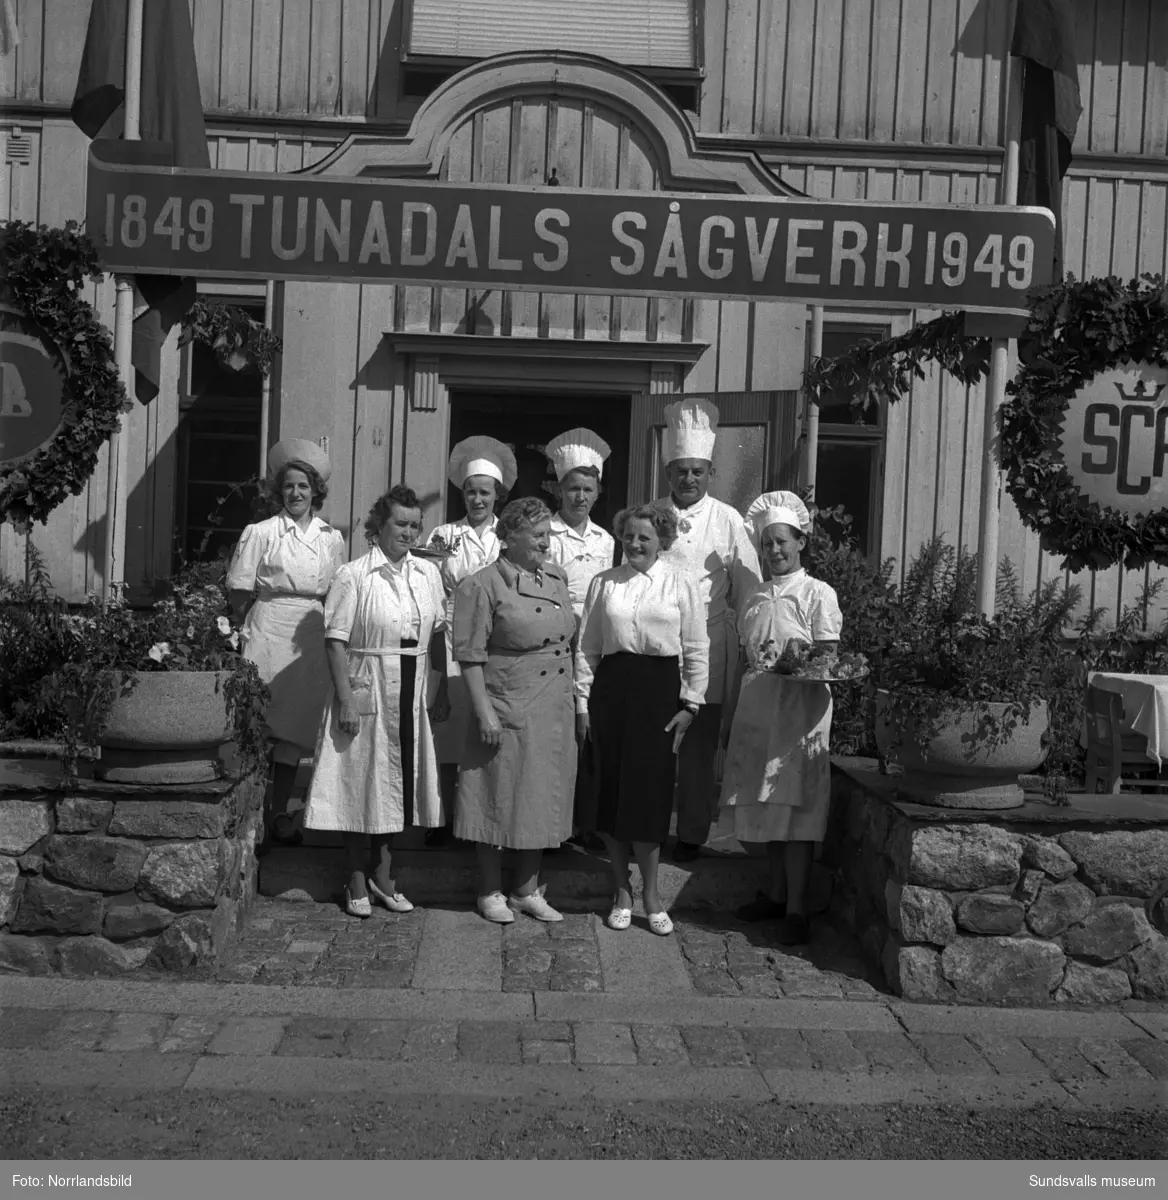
[(1145, 706)]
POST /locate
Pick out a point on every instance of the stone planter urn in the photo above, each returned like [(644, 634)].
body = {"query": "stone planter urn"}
[(959, 768), (169, 729)]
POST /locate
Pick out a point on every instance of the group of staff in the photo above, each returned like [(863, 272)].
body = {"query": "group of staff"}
[(507, 674)]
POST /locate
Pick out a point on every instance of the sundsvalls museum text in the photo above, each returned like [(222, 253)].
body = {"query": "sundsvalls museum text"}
[(1082, 1181), (204, 223), (72, 1181)]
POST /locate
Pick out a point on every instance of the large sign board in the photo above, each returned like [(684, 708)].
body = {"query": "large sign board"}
[(349, 229)]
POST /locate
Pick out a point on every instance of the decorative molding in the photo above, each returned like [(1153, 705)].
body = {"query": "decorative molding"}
[(664, 378), (594, 350), (684, 164), (426, 384)]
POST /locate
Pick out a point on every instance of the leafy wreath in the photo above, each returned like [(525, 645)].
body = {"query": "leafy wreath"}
[(42, 272), (1076, 330)]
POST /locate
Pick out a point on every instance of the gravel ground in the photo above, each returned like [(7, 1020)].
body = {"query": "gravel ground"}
[(88, 1124)]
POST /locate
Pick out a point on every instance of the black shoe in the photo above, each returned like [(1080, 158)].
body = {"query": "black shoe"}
[(794, 931), (295, 838), (684, 852), (442, 836), (761, 908)]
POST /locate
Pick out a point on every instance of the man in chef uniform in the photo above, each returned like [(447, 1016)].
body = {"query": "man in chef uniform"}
[(713, 546)]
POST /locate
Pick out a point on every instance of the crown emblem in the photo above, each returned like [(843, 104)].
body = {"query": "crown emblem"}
[(1142, 393)]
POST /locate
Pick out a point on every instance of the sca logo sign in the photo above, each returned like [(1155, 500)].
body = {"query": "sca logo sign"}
[(32, 387), (1115, 439)]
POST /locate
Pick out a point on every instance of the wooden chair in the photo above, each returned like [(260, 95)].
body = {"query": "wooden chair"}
[(1114, 756)]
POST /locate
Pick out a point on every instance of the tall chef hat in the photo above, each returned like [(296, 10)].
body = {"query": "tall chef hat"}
[(577, 448), (299, 450), (482, 455), (775, 508), (691, 428)]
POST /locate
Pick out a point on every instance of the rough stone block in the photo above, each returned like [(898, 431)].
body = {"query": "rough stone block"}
[(1029, 885), (31, 864), (1157, 909), (914, 972), (9, 888), (104, 864), (128, 917), (47, 907), (1107, 932), (1003, 970), (186, 943), (23, 823), (990, 914), (1120, 863), (166, 819), (1058, 907), (185, 874), (963, 858), (91, 956), (920, 914), (25, 955), (1148, 969), (1084, 984), (84, 814), (1045, 854)]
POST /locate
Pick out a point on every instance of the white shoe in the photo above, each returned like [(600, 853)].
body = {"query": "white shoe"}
[(494, 908), (535, 906), (619, 918), (396, 903), (660, 924)]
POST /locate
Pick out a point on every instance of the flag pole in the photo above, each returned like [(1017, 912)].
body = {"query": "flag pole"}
[(117, 481), (811, 465), (991, 476)]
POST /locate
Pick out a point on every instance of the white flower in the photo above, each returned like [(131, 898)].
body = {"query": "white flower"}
[(190, 631), (233, 640), (159, 651), (224, 626)]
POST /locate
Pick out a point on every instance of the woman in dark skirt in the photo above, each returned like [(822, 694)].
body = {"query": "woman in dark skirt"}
[(642, 664)]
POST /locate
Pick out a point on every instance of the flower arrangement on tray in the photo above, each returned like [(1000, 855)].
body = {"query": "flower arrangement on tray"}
[(438, 548), (803, 661)]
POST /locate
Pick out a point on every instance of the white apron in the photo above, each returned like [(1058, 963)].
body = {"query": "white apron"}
[(357, 779)]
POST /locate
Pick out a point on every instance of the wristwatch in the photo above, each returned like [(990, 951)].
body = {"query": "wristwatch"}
[(690, 707)]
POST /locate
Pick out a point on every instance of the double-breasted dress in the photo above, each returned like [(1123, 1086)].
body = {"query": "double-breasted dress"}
[(519, 628), (777, 779), (385, 776), (289, 569), (473, 552)]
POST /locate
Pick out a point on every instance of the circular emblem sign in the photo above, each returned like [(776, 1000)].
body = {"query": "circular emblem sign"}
[(1115, 439), (32, 388)]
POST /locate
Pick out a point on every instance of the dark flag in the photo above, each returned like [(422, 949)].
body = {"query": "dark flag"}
[(172, 112), (1044, 36)]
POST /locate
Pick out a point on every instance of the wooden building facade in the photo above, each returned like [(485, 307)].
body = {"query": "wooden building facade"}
[(840, 99)]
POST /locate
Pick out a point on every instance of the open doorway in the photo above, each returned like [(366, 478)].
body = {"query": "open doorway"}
[(527, 421)]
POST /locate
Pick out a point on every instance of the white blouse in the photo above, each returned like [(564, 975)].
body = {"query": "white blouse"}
[(792, 606), (474, 550), (373, 598), (658, 612), (277, 556), (581, 555)]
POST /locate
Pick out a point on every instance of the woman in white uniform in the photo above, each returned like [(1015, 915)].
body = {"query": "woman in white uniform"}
[(376, 771), (777, 774), (278, 577), (484, 471)]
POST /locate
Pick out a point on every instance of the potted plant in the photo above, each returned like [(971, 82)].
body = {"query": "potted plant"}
[(961, 701), (161, 689)]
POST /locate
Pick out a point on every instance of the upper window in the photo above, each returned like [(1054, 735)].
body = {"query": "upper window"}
[(638, 33)]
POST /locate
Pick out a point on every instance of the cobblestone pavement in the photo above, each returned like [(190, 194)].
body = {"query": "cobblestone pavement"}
[(317, 945)]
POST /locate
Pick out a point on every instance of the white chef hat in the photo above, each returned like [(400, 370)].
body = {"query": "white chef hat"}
[(775, 508), (299, 450), (691, 428), (482, 455), (577, 448)]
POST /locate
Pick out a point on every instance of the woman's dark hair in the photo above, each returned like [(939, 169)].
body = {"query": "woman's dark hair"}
[(522, 514), (398, 496), (276, 485), (663, 520)]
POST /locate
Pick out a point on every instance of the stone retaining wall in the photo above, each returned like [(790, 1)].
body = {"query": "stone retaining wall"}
[(102, 878), (1039, 905)]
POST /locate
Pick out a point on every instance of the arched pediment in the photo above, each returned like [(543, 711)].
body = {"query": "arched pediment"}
[(579, 82)]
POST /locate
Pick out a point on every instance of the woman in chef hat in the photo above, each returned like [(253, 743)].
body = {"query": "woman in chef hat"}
[(484, 471), (777, 774), (277, 582), (578, 545)]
